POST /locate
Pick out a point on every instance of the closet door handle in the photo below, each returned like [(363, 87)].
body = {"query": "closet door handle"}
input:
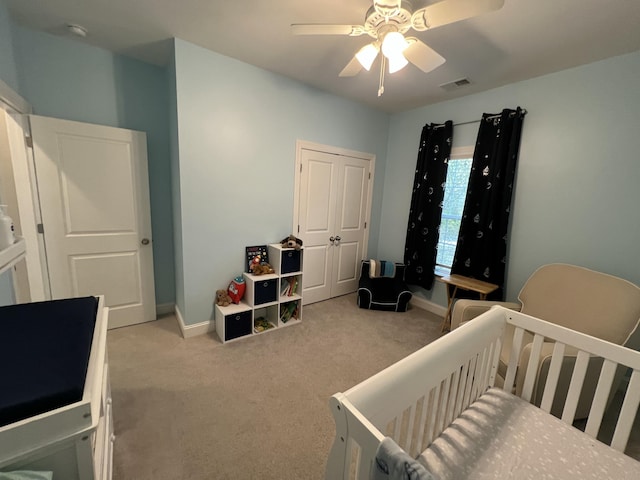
[(145, 241), (337, 240), (332, 239)]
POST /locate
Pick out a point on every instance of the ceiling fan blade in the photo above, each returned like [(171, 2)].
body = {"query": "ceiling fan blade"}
[(325, 29), (422, 56), (352, 68), (450, 11)]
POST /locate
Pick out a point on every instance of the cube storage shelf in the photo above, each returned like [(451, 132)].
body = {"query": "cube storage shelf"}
[(273, 299)]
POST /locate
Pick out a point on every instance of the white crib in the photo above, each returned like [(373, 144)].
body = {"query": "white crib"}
[(440, 405)]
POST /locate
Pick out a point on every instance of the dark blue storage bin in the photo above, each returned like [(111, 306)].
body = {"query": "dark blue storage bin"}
[(265, 291), (290, 261), (237, 325)]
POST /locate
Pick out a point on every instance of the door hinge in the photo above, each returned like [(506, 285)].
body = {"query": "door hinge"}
[(369, 175), (365, 224), (29, 141), (40, 228), (300, 168), (298, 228)]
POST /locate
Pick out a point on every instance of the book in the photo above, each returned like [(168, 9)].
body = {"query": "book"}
[(285, 287), (258, 254)]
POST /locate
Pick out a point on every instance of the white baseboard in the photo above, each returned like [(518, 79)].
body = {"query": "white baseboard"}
[(196, 329), (165, 309), (428, 305)]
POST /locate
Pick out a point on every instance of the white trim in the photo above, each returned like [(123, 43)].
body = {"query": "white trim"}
[(428, 305), (165, 309), (306, 145), (11, 98), (196, 329)]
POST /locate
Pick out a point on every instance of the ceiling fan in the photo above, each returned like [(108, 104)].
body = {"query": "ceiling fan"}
[(387, 22)]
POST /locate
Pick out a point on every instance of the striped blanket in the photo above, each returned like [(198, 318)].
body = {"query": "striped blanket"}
[(382, 268)]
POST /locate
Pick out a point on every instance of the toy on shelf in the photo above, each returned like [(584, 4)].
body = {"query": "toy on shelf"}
[(256, 254), (291, 242), (236, 289), (260, 324), (222, 298), (258, 267)]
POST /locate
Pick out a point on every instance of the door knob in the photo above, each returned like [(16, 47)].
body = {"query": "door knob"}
[(145, 241), (332, 239), (338, 239)]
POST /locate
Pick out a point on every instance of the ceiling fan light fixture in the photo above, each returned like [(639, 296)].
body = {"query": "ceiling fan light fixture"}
[(393, 44), (367, 54), (397, 63)]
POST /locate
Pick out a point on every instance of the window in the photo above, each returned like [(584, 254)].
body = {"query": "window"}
[(454, 197)]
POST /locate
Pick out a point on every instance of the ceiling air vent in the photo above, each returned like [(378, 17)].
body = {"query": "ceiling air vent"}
[(461, 82)]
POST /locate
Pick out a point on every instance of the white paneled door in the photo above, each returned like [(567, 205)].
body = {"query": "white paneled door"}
[(94, 197), (333, 203)]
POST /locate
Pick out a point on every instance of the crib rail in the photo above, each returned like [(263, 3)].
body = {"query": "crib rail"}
[(414, 400), (585, 349)]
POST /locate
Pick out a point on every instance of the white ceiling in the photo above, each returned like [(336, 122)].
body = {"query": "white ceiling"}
[(525, 39)]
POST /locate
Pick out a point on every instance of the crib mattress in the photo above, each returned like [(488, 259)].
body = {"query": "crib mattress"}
[(44, 354), (502, 436)]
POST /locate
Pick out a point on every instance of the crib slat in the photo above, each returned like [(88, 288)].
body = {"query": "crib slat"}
[(453, 394), (495, 361), (433, 416), (488, 368), (532, 367), (412, 414), (418, 426), (627, 413), (423, 422), (478, 379), (513, 359), (600, 398), (552, 377), (472, 373), (577, 380), (397, 421), (443, 405), (464, 380)]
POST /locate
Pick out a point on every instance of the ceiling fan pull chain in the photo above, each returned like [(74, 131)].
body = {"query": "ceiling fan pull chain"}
[(382, 65)]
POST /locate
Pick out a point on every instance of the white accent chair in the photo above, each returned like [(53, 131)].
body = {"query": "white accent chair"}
[(590, 302)]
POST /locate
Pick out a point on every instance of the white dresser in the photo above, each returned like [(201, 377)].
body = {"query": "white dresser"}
[(74, 441)]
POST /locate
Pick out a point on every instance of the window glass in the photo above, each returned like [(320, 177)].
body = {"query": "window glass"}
[(453, 205)]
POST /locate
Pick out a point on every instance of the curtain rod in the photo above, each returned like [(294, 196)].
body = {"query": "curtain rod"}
[(498, 115)]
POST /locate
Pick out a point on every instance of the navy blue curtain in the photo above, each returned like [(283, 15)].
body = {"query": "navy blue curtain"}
[(483, 239), (426, 204)]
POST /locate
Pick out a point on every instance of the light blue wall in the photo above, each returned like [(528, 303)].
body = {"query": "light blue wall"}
[(68, 79), (8, 71), (237, 128), (578, 182)]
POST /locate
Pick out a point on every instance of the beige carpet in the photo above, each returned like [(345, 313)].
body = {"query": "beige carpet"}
[(252, 409)]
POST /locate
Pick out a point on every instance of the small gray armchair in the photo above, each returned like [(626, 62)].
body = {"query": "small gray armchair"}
[(590, 302)]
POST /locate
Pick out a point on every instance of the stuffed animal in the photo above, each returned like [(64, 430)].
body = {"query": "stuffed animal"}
[(222, 298), (261, 268), (291, 242)]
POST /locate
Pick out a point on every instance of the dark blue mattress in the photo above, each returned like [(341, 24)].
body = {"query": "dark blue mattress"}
[(44, 354)]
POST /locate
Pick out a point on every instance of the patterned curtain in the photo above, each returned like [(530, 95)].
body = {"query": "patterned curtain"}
[(426, 204), (482, 242)]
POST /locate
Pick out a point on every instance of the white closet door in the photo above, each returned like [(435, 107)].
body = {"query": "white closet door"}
[(94, 198), (332, 216), (318, 182), (349, 227)]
